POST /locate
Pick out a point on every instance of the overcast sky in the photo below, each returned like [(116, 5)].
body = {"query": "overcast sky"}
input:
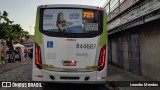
[(23, 12)]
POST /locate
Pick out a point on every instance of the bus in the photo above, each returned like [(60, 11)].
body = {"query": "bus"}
[(70, 44)]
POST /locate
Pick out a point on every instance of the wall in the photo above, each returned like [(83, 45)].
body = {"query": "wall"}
[(124, 43), (125, 51), (140, 10), (114, 57), (150, 50), (149, 40)]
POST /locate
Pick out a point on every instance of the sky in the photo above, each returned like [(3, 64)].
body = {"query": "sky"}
[(23, 12)]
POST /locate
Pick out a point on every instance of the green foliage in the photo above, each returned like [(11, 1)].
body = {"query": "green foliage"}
[(8, 29), (24, 33), (5, 18)]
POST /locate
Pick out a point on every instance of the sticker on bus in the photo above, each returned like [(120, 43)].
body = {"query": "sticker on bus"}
[(91, 27), (49, 44)]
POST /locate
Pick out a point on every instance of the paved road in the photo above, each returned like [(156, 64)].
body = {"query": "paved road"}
[(24, 72), (75, 87)]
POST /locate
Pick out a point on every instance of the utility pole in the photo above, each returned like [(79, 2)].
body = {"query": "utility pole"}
[(30, 29), (0, 17), (30, 33)]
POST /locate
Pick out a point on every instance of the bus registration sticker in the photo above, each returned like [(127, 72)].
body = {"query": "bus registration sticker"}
[(91, 27)]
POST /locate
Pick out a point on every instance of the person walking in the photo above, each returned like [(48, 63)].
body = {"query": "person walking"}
[(17, 55)]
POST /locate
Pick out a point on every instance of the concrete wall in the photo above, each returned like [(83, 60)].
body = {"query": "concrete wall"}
[(124, 43), (150, 50), (143, 9), (123, 6), (125, 51), (113, 45), (149, 41)]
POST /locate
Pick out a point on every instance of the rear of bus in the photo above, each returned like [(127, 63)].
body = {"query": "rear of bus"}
[(76, 53)]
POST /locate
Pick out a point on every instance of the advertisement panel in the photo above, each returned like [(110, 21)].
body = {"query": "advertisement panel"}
[(63, 20)]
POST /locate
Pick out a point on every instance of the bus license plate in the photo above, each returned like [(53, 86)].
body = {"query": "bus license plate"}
[(69, 63)]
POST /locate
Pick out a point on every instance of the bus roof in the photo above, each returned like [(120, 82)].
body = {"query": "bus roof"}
[(69, 6)]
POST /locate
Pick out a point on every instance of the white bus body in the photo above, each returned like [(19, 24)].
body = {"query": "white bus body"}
[(78, 53)]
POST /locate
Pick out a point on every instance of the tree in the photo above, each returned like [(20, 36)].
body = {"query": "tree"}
[(2, 32), (8, 29), (5, 25), (17, 29), (5, 18)]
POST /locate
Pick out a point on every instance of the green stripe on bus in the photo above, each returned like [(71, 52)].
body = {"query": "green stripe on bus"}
[(103, 36), (37, 34)]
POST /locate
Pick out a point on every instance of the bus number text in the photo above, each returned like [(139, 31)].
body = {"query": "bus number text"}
[(86, 46)]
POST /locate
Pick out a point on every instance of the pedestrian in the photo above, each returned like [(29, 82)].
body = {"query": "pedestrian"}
[(12, 58), (7, 56), (20, 52), (9, 43), (17, 55), (25, 53), (31, 53)]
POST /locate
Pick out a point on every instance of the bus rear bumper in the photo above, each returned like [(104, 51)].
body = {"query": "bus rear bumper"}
[(71, 77)]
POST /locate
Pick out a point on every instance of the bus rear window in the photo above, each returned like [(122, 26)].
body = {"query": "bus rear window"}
[(70, 21)]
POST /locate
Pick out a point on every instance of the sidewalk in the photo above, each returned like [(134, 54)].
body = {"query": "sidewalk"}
[(13, 65), (118, 74)]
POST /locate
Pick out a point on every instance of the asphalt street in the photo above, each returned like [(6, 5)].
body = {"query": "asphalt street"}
[(24, 73)]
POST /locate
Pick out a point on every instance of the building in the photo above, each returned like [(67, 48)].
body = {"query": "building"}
[(134, 36)]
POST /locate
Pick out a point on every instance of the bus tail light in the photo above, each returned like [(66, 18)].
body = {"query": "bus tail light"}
[(102, 58), (38, 60)]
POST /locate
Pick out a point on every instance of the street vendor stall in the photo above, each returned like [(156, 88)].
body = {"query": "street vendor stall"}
[(22, 47)]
